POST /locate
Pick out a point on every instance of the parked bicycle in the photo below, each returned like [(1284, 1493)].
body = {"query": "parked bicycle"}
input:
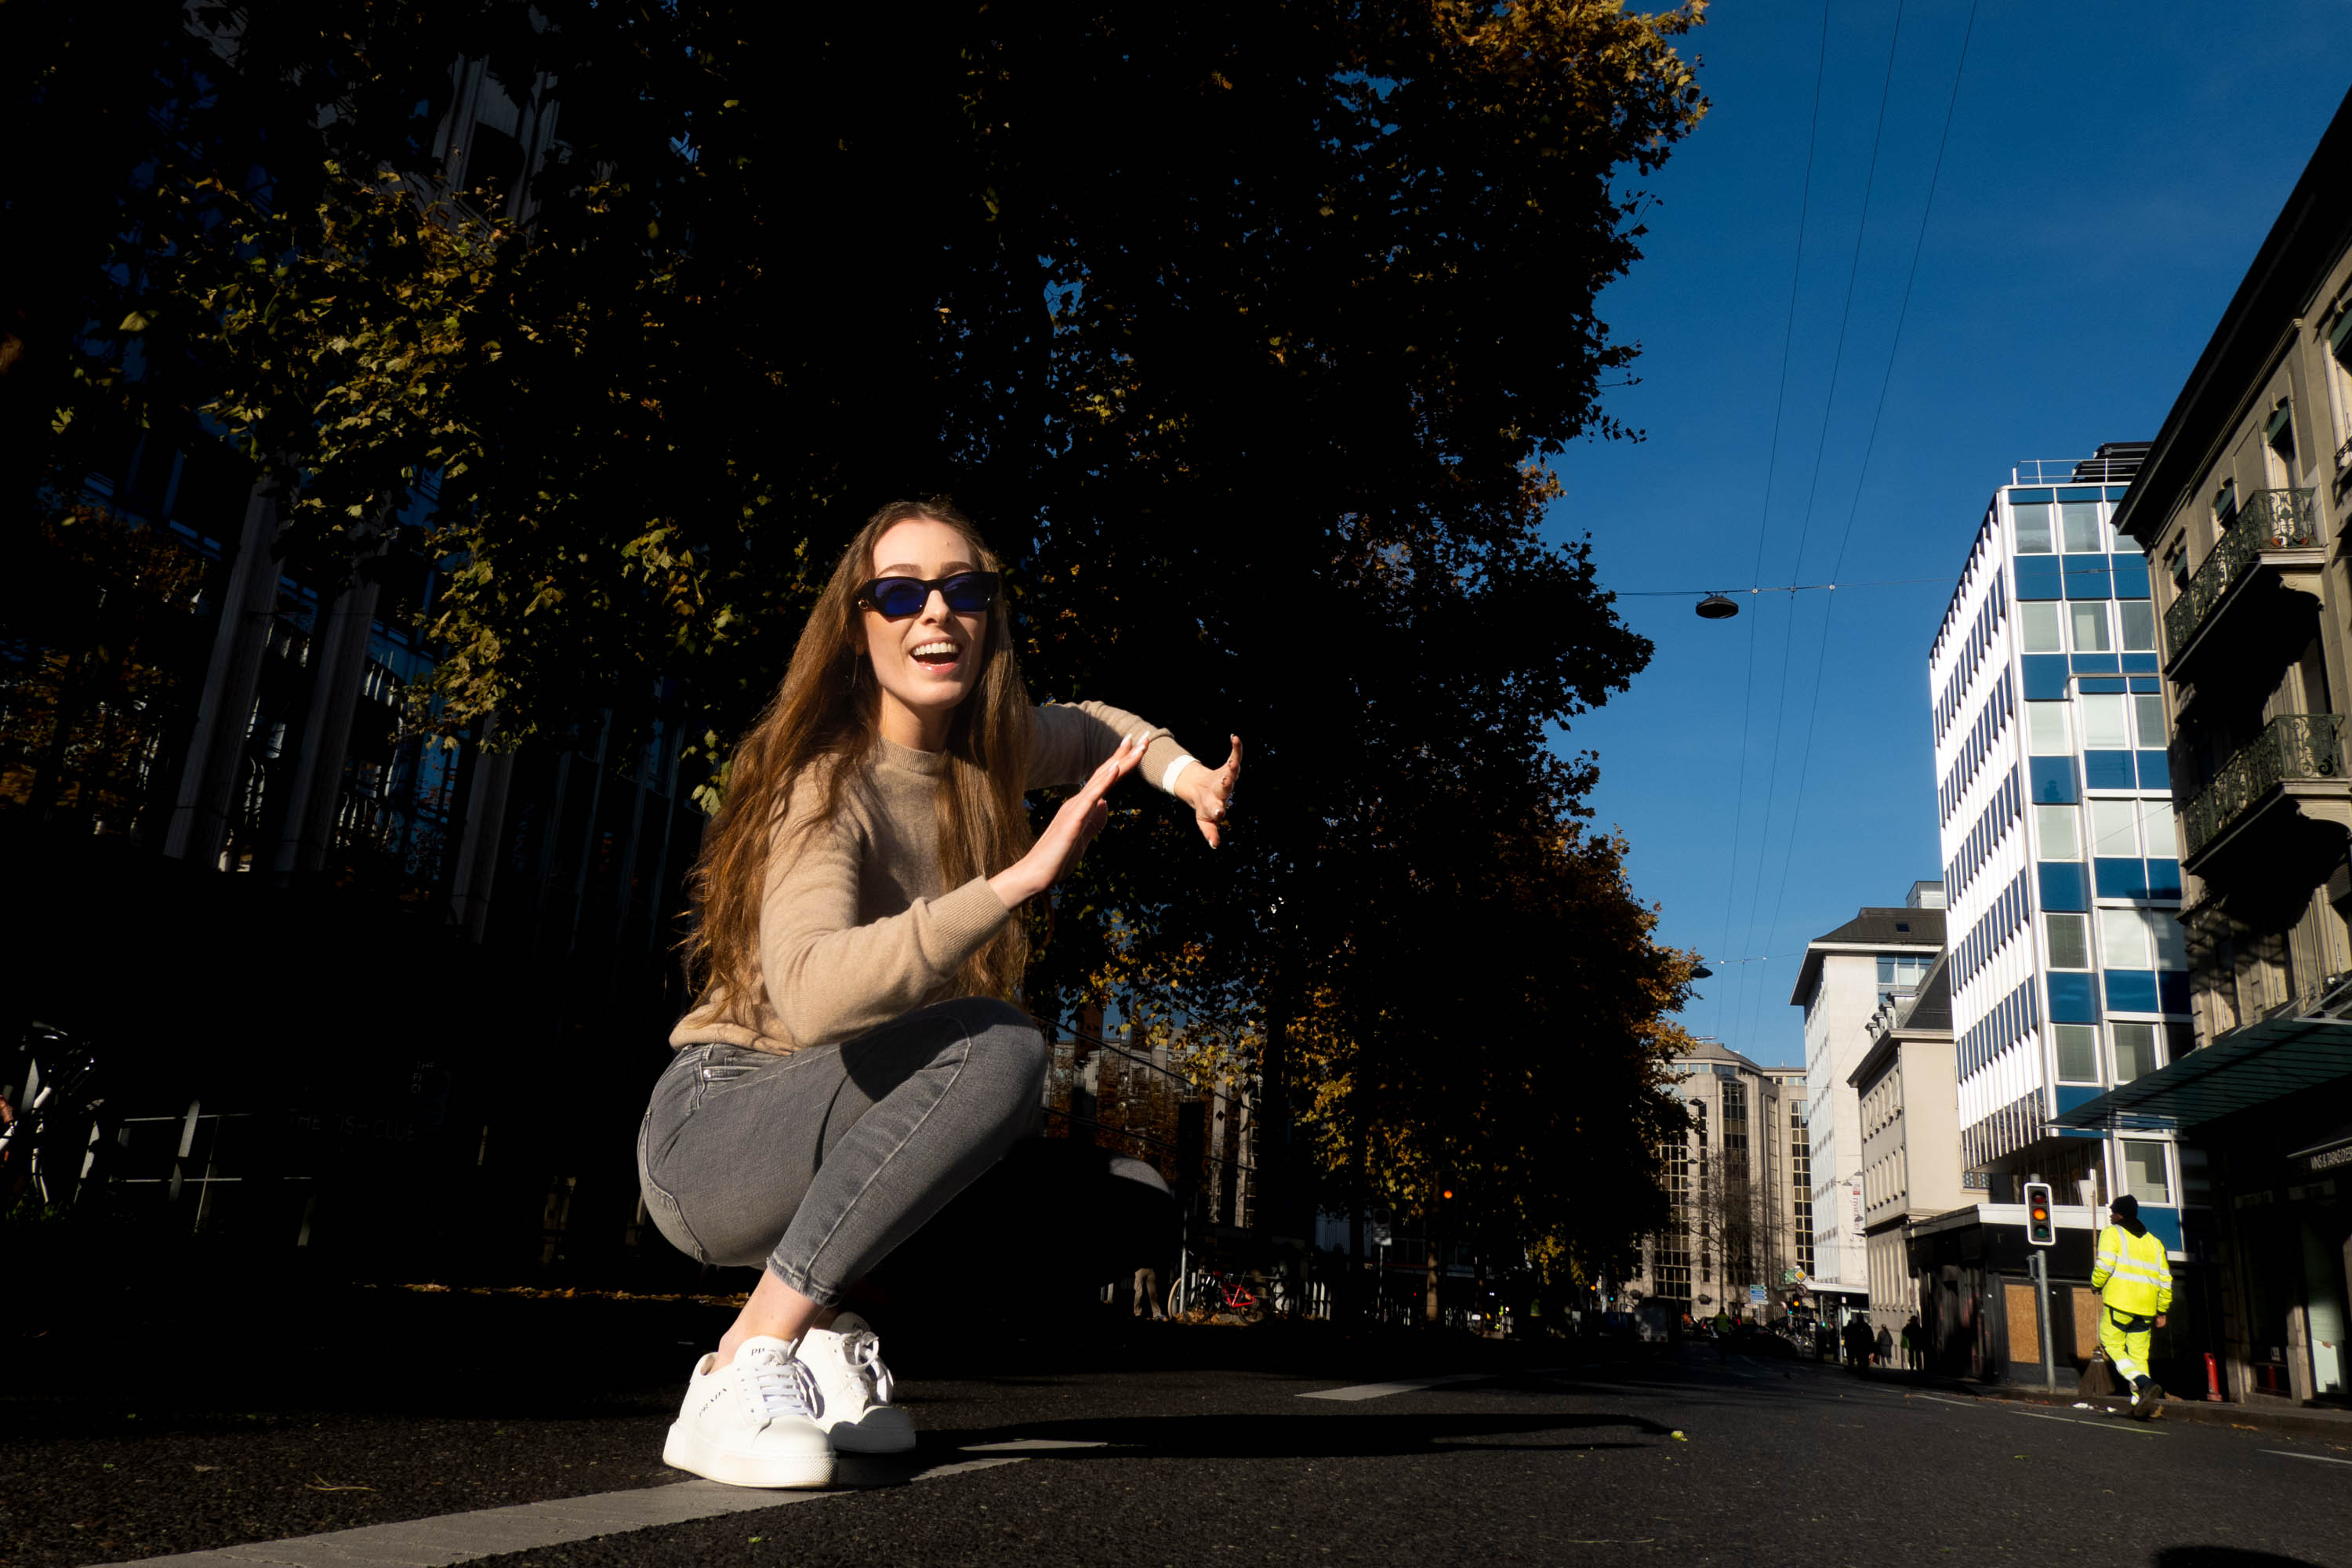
[(1206, 1292), (51, 1140)]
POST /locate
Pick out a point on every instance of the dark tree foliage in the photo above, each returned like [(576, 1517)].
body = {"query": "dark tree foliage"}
[(1249, 330)]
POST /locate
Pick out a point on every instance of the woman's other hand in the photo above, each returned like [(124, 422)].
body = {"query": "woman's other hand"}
[(1210, 793), (1065, 838)]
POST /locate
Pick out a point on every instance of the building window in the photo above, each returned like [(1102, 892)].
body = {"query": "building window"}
[(2147, 717), (1896, 972), (2124, 940), (2033, 529), (2225, 505), (2144, 1172), (2105, 726), (2141, 938), (2058, 832), (2158, 835), (2114, 830), (2088, 621), (2139, 1051), (2079, 520), (2069, 941), (2138, 616), (2045, 730), (2037, 622), (2078, 1052), (2279, 436)]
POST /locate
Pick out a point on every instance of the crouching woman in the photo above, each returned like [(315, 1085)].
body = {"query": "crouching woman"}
[(852, 1063)]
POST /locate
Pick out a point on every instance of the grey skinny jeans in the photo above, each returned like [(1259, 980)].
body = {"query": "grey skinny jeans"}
[(819, 1164)]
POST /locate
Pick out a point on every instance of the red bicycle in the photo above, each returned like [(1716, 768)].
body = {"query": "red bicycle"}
[(1208, 1292)]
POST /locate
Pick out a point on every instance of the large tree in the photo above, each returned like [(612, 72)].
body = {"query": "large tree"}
[(1249, 330)]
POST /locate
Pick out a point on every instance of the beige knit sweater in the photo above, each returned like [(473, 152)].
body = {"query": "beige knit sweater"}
[(855, 929)]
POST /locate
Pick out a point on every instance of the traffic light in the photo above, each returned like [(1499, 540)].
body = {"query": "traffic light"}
[(2041, 1223)]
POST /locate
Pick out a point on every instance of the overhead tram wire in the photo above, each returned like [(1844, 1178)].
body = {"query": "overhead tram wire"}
[(1820, 448), (1919, 245), (1772, 587), (1764, 516)]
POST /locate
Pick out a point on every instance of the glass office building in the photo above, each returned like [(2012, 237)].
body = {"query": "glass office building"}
[(2062, 860)]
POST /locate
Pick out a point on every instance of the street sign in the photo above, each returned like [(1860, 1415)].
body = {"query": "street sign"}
[(1376, 1234), (1756, 1295)]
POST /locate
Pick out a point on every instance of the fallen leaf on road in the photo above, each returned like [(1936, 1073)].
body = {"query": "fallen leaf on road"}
[(323, 1485), (208, 1467), (2243, 1427), (1678, 1437)]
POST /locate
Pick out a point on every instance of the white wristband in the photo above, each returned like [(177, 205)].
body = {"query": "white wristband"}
[(1175, 770)]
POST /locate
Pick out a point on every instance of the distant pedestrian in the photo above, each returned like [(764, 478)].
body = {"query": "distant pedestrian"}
[(1886, 1345), (848, 1068), (1147, 1295), (1913, 1342), (1857, 1343), (2134, 1279)]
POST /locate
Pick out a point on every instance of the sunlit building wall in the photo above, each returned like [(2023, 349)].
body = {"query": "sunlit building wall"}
[(2062, 860)]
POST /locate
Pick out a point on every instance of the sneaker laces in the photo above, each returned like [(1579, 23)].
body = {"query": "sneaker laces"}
[(863, 1351), (776, 1385)]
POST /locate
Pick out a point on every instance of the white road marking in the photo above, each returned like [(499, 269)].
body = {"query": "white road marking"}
[(2135, 1431), (1029, 1446), (2286, 1454), (452, 1538), (1407, 1386), (1959, 1403)]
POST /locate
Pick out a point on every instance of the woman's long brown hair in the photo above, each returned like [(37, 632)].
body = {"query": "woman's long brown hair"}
[(827, 709)]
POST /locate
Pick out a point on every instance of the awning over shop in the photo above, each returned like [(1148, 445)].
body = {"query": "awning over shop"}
[(2255, 1066)]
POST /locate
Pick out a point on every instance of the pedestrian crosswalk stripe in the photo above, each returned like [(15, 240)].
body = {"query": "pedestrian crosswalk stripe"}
[(451, 1538)]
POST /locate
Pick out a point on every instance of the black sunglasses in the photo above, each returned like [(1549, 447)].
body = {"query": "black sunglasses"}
[(896, 598)]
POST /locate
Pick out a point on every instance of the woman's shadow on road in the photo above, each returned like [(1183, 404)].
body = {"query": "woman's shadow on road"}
[(1260, 1436)]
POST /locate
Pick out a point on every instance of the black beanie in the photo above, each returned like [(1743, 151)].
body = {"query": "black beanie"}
[(2125, 1207)]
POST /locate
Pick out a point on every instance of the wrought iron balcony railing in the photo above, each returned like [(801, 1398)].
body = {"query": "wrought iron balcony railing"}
[(2292, 746), (2269, 519)]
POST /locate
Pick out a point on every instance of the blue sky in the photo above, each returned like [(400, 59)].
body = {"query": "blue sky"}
[(2109, 173)]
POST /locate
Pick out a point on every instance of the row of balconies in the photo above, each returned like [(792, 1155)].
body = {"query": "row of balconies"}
[(2294, 771)]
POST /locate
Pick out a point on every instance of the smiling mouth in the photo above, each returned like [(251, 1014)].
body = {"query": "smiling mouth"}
[(936, 655)]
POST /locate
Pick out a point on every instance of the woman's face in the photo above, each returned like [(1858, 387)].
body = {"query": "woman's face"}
[(929, 662)]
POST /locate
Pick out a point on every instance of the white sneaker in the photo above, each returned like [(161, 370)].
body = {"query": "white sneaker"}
[(853, 1389), (750, 1423)]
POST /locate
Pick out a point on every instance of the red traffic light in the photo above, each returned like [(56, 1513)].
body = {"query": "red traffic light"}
[(1447, 1192)]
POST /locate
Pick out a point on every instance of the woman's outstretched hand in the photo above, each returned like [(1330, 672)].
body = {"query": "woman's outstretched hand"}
[(1065, 838), (1210, 793)]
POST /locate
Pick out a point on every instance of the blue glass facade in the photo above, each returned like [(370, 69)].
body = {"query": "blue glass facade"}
[(2073, 977)]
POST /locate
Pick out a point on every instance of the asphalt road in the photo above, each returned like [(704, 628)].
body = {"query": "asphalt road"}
[(1186, 1446)]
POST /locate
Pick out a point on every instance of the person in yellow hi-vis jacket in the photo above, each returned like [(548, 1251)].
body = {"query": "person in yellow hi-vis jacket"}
[(2135, 1285)]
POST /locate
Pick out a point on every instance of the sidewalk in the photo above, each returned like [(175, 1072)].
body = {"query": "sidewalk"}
[(2303, 1421), (2306, 1421)]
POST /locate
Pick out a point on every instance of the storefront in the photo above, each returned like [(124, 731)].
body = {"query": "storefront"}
[(2270, 1106)]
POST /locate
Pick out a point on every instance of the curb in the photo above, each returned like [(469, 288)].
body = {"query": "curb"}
[(2306, 1423)]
